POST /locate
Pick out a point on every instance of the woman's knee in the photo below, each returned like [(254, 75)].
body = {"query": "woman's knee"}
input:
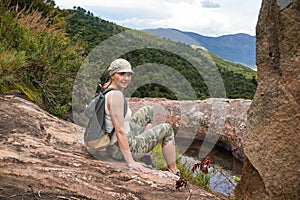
[(169, 129), (150, 113), (169, 126), (169, 134)]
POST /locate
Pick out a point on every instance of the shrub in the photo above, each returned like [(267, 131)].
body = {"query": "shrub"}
[(37, 55)]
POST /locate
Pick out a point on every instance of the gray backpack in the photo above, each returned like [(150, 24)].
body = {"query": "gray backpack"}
[(95, 135)]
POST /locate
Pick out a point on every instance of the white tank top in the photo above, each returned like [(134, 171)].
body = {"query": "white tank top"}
[(109, 124)]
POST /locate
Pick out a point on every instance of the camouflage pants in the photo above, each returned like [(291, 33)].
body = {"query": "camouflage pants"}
[(140, 141)]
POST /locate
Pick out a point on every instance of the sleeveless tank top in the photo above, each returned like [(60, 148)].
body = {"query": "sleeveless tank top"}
[(109, 124)]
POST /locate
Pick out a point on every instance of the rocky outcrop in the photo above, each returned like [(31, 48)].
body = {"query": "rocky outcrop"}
[(41, 157), (223, 118), (273, 132)]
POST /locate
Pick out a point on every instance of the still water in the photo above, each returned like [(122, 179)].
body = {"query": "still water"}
[(224, 167)]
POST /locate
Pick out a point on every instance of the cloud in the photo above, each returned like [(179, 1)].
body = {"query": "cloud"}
[(207, 17), (210, 4)]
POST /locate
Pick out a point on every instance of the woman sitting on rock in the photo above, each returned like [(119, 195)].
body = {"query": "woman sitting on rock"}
[(134, 135)]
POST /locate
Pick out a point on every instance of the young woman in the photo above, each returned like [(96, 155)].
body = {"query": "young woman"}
[(134, 135)]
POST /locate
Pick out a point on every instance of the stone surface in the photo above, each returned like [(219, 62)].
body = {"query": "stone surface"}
[(273, 131), (41, 157), (224, 118)]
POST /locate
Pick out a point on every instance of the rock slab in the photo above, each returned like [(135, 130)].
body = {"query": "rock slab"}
[(219, 121), (41, 157), (273, 125)]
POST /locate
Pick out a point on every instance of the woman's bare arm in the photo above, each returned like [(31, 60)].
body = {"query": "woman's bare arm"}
[(116, 109)]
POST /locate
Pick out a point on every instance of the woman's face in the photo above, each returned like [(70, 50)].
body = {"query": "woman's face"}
[(121, 80)]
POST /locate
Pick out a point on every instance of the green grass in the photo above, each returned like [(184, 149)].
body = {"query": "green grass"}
[(198, 178)]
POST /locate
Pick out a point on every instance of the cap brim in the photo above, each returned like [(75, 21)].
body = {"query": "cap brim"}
[(126, 70)]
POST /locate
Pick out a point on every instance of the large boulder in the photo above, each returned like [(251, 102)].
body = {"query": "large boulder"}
[(224, 118), (41, 157), (273, 131)]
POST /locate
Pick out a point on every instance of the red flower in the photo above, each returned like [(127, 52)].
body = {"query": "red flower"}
[(203, 166)]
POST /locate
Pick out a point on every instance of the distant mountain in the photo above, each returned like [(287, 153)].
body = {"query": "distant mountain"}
[(238, 48)]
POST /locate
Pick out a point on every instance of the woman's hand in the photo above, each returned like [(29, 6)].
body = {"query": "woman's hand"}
[(138, 166)]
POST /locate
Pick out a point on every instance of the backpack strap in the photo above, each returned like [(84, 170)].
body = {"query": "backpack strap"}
[(108, 90), (125, 108)]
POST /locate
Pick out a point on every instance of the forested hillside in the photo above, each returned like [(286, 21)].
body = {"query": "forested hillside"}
[(87, 29), (42, 48)]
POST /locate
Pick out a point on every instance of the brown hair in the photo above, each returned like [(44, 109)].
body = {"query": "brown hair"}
[(107, 84)]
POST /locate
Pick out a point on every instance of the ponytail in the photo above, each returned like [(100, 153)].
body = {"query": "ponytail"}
[(107, 84)]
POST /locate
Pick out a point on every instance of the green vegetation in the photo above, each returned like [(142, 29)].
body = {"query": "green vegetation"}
[(46, 7), (198, 178), (37, 57), (89, 30), (42, 48)]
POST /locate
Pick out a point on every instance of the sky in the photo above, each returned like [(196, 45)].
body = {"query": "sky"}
[(205, 17)]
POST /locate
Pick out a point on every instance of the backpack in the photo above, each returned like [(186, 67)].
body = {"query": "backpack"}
[(95, 135)]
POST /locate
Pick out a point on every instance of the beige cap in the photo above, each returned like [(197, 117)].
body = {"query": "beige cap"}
[(119, 65)]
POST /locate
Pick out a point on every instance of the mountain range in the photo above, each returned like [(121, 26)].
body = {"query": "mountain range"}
[(237, 48)]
